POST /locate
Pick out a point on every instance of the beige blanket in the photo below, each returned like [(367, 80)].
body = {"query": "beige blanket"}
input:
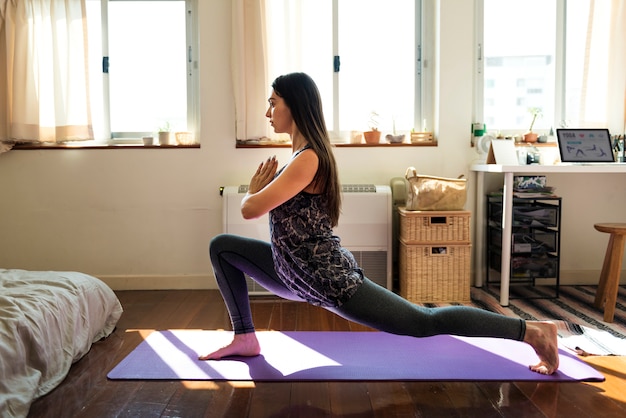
[(48, 320)]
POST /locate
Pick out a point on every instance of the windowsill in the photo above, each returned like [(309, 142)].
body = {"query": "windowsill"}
[(239, 145), (341, 145), (536, 144), (98, 146)]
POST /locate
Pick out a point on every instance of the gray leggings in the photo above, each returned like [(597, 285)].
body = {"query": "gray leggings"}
[(372, 305)]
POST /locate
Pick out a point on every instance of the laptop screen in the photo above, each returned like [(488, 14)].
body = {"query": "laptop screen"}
[(585, 145)]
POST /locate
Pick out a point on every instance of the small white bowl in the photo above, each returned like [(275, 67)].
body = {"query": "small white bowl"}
[(395, 139)]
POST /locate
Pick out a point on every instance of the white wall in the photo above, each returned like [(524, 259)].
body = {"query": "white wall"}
[(143, 218)]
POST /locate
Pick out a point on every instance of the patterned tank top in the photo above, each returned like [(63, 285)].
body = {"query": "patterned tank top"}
[(308, 258)]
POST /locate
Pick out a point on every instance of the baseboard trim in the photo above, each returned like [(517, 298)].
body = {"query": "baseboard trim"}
[(584, 277), (153, 282)]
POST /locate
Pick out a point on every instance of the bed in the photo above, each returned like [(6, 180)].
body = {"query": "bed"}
[(48, 321)]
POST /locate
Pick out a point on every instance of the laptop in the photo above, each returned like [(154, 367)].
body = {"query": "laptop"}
[(585, 146)]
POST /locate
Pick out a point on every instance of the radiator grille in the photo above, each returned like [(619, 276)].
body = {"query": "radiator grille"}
[(358, 188)]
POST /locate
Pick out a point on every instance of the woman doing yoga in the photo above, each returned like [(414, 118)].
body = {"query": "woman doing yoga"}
[(304, 260)]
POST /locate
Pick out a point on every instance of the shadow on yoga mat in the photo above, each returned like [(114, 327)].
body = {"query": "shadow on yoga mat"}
[(301, 356)]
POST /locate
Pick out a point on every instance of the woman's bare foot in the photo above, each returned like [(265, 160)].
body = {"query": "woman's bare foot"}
[(542, 337), (242, 345)]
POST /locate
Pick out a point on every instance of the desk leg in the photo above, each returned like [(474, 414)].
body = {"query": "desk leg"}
[(479, 223), (507, 221)]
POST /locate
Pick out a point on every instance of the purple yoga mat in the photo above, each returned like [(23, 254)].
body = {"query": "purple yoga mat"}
[(299, 355)]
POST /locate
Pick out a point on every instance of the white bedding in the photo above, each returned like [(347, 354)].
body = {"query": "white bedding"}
[(48, 320)]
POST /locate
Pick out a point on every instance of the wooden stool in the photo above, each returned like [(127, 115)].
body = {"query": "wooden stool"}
[(611, 268)]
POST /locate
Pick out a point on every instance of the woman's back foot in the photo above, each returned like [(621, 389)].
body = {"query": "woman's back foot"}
[(542, 337)]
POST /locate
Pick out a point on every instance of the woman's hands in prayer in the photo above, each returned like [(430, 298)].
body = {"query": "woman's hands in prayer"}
[(264, 175)]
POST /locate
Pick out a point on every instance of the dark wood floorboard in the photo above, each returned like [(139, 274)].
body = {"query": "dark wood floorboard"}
[(86, 392)]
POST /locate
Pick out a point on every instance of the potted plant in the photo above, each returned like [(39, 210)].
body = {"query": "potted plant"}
[(164, 134), (531, 136), (373, 135)]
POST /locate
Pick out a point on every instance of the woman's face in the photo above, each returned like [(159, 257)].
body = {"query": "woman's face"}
[(279, 114)]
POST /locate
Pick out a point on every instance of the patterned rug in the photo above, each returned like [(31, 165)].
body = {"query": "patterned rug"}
[(573, 311)]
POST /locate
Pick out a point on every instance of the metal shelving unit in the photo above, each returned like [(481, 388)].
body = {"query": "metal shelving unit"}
[(535, 245)]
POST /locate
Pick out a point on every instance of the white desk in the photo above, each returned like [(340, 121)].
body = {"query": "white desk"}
[(507, 209)]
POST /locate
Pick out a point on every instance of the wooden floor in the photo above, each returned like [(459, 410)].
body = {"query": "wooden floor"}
[(87, 393)]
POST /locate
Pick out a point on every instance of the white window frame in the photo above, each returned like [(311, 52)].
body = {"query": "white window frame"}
[(423, 107), (559, 95), (193, 90), (422, 96)]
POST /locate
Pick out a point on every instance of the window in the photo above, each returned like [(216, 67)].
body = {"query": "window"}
[(379, 52), (515, 62), (143, 67), (365, 55), (547, 54)]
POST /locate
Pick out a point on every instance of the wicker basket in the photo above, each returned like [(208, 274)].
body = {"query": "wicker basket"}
[(184, 138), (417, 137), (417, 227), (435, 273)]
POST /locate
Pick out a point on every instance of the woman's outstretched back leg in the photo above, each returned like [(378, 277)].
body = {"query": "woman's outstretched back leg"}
[(379, 308)]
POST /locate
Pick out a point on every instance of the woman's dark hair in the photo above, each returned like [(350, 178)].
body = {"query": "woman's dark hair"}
[(301, 95)]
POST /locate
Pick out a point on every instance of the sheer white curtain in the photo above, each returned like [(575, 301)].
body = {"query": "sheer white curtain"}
[(603, 87), (268, 40), (617, 68), (249, 68), (44, 93)]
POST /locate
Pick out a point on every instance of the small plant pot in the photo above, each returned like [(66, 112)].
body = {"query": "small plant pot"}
[(356, 137), (164, 138), (530, 137), (372, 137)]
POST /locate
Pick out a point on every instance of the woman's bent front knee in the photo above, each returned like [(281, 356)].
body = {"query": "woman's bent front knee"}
[(226, 242)]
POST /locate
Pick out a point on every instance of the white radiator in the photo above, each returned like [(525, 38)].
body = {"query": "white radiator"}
[(364, 228)]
